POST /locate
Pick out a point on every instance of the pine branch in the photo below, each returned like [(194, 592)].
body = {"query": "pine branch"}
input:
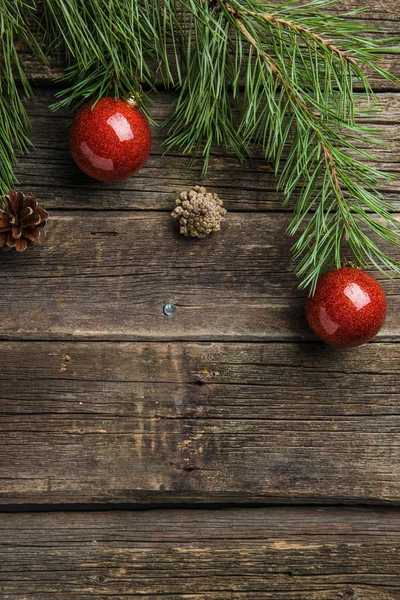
[(333, 187), (17, 24), (304, 32), (112, 47)]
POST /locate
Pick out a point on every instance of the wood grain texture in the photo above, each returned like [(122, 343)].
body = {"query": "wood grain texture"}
[(145, 422), (109, 276), (274, 554), (373, 9), (50, 172)]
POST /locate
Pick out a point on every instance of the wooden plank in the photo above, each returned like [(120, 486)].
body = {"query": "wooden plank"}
[(274, 554), (142, 422), (108, 276), (373, 10), (50, 172)]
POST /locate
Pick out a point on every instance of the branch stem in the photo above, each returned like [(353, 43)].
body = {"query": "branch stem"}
[(296, 98), (303, 31)]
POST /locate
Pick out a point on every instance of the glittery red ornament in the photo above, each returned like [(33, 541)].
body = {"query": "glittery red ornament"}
[(110, 142), (347, 309)]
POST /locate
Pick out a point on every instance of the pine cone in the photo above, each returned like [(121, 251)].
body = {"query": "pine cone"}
[(199, 212), (21, 222)]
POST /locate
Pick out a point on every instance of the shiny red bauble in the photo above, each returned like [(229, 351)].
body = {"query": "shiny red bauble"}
[(110, 141), (347, 309)]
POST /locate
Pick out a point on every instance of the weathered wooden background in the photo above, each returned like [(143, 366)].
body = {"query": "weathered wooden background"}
[(105, 403)]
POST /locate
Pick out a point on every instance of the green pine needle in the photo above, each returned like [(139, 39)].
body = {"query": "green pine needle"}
[(17, 24)]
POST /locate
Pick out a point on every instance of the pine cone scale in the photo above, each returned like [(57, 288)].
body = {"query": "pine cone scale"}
[(14, 201), (32, 221), (11, 241), (21, 245), (33, 233), (30, 201), (39, 212), (7, 220), (16, 232), (25, 213)]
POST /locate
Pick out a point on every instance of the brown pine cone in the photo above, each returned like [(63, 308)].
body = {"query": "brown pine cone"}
[(199, 213), (22, 221)]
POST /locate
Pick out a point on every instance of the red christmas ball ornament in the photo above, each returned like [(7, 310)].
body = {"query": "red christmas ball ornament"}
[(110, 141), (347, 309)]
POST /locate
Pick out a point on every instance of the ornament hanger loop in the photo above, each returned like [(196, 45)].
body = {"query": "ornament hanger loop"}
[(134, 99)]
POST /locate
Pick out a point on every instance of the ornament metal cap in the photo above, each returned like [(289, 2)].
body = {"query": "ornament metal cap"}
[(134, 99)]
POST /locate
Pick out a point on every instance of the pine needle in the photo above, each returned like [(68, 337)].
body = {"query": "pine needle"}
[(17, 24)]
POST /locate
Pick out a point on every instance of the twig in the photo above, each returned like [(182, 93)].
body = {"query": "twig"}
[(292, 92), (304, 31)]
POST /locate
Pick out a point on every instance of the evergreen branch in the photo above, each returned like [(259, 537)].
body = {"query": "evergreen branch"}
[(112, 47), (333, 220), (304, 32), (17, 23)]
